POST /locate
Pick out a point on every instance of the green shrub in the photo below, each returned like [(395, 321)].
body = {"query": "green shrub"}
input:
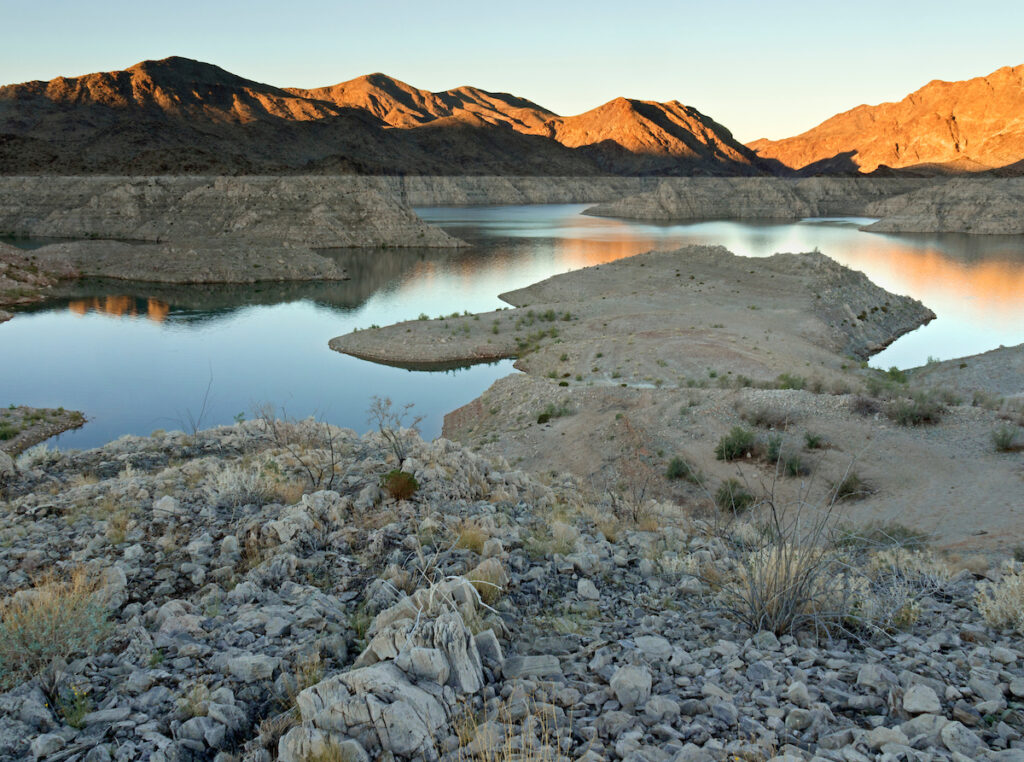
[(553, 411), (793, 465), (1004, 437), (733, 496), (790, 381), (813, 441), (401, 485), (737, 444), (919, 410), (678, 468), (773, 449)]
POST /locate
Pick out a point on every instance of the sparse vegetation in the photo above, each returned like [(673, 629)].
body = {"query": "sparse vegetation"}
[(732, 495), (919, 410), (852, 487), (1004, 438), (738, 443), (679, 468), (400, 485), (1001, 603), (57, 618)]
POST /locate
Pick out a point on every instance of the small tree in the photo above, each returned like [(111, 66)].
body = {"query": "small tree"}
[(398, 428)]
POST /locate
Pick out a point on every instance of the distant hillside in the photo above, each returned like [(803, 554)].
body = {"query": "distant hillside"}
[(943, 128), (182, 116)]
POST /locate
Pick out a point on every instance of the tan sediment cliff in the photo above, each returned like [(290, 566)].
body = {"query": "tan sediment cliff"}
[(755, 198), (967, 126), (969, 205), (316, 212), (468, 190)]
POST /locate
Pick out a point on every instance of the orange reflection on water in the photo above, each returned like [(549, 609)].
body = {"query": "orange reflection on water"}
[(993, 288), (121, 306)]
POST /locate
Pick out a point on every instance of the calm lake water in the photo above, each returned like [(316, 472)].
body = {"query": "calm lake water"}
[(138, 357)]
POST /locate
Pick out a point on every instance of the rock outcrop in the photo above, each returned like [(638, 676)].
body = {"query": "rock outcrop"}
[(969, 205), (968, 126)]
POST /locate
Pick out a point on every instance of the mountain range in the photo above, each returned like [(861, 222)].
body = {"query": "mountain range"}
[(179, 116), (944, 127)]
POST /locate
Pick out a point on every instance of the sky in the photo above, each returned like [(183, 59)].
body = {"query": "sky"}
[(762, 69)]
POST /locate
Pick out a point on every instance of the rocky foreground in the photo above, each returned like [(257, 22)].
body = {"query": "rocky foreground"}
[(253, 592)]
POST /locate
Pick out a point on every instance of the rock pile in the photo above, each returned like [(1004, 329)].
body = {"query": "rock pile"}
[(257, 612)]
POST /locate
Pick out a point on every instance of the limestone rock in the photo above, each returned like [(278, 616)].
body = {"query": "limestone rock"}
[(631, 686)]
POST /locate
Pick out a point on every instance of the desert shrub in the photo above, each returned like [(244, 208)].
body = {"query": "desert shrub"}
[(767, 417), (865, 406), (773, 449), (40, 456), (679, 468), (852, 487), (1004, 438), (738, 443), (1002, 603), (788, 585), (8, 431), (813, 441), (733, 496), (790, 381), (400, 485), (553, 411), (236, 484), (54, 619), (919, 410), (793, 465)]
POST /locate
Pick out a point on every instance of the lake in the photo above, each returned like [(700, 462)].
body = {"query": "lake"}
[(139, 357)]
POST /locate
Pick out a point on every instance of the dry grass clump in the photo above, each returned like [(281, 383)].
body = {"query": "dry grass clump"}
[(521, 730), (471, 536), (235, 485), (852, 487), (767, 417), (489, 580), (1002, 603), (54, 619)]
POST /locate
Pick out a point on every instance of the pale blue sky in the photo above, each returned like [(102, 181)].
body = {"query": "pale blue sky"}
[(763, 69)]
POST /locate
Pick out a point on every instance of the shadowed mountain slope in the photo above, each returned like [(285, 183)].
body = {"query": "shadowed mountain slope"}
[(181, 116)]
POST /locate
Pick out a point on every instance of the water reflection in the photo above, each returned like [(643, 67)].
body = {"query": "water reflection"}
[(268, 342), (122, 306)]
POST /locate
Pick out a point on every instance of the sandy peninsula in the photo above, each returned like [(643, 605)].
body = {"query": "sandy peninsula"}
[(629, 365)]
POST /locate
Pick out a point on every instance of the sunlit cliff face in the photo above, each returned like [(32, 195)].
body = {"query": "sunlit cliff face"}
[(122, 306)]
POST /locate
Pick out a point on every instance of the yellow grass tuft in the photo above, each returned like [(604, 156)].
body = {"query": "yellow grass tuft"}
[(54, 619)]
